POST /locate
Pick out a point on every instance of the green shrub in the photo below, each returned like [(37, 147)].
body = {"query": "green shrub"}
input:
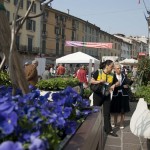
[(143, 92), (57, 83), (87, 93), (144, 71), (4, 79)]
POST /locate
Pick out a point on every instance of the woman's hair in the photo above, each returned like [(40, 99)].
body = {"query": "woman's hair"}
[(117, 64), (105, 63)]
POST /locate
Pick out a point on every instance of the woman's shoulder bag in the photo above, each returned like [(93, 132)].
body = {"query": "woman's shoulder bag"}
[(97, 88)]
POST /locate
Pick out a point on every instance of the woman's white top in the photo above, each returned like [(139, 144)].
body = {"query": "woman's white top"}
[(119, 77)]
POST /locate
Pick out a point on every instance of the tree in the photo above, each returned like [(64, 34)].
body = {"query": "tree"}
[(8, 46)]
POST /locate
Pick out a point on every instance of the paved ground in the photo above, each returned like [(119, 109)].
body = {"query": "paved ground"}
[(126, 140)]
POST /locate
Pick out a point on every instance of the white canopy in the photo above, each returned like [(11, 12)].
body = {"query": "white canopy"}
[(78, 57), (129, 61)]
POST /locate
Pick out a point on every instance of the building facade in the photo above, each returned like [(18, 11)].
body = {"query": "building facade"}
[(29, 36), (45, 36), (59, 27)]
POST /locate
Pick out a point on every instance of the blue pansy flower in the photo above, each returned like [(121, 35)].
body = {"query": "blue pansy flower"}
[(67, 111), (9, 145), (7, 107), (70, 127), (60, 122), (8, 122), (37, 144)]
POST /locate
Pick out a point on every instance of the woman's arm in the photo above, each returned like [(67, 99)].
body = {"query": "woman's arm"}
[(94, 78), (93, 81)]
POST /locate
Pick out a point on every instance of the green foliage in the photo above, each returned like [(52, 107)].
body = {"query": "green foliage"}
[(129, 75), (87, 93), (143, 92), (4, 79), (57, 83), (143, 80), (144, 71)]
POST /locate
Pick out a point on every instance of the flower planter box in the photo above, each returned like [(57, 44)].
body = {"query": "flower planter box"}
[(89, 136), (148, 144)]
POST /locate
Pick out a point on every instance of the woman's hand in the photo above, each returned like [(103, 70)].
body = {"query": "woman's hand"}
[(102, 81), (125, 86), (112, 87), (117, 84)]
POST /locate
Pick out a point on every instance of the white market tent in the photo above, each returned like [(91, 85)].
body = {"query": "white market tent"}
[(78, 57), (129, 61)]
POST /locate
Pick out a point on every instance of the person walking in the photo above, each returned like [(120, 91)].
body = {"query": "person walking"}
[(31, 73), (81, 76), (120, 98), (46, 74), (104, 77), (61, 70)]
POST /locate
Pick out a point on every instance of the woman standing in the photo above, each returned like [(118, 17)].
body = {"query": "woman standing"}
[(120, 98), (104, 77)]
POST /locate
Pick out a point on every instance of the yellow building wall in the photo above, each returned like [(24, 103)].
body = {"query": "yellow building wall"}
[(23, 32)]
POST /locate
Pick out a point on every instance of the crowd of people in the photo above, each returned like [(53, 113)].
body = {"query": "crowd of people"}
[(110, 75)]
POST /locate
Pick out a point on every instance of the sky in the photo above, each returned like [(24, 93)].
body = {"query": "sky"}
[(112, 16)]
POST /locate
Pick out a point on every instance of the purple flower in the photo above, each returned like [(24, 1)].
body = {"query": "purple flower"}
[(37, 144), (27, 136), (70, 127), (9, 145), (60, 122), (3, 99), (52, 118), (96, 109), (8, 122), (7, 107), (67, 111)]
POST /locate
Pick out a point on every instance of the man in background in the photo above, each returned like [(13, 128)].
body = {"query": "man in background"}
[(81, 76), (46, 74), (61, 70), (31, 73)]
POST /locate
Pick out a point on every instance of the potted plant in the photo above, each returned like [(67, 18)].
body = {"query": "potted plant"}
[(31, 121), (57, 83)]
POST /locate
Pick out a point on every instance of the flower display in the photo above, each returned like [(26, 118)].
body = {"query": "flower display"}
[(32, 122)]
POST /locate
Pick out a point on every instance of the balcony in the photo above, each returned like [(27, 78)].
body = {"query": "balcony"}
[(35, 50), (22, 48), (58, 22)]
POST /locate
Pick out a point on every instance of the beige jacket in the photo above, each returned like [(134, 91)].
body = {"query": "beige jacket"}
[(31, 74)]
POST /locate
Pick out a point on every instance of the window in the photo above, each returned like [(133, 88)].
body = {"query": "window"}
[(30, 43), (83, 27), (33, 7), (43, 46), (63, 31), (18, 23), (57, 47), (57, 30), (8, 15), (18, 41), (16, 2), (44, 27), (30, 25)]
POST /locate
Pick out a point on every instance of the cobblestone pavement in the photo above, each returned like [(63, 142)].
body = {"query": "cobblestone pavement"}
[(126, 140)]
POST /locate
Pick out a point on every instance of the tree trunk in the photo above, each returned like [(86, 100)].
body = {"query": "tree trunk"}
[(16, 74)]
